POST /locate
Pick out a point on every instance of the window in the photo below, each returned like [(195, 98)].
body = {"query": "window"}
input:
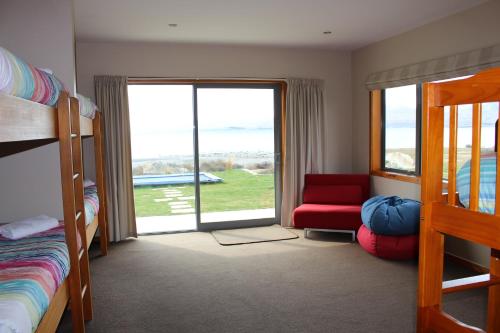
[(400, 139), (395, 131)]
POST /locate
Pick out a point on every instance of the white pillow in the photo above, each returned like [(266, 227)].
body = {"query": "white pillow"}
[(28, 227)]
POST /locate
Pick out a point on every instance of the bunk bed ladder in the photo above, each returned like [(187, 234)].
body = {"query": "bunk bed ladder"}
[(74, 212)]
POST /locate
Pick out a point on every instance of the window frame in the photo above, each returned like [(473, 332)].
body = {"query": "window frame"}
[(418, 135), (280, 89), (375, 159)]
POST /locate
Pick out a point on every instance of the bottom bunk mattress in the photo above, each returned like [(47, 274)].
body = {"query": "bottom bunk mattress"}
[(91, 204), (31, 270)]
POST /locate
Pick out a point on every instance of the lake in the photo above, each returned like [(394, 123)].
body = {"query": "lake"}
[(401, 137), (180, 142)]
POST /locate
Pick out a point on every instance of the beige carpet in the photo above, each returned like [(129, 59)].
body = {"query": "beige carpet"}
[(240, 236), (189, 283)]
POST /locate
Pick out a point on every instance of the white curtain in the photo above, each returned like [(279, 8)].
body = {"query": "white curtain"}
[(112, 100), (305, 138)]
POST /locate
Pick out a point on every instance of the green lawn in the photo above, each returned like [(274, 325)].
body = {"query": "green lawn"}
[(240, 190)]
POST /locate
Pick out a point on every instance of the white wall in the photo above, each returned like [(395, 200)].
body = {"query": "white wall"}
[(211, 61), (40, 32), (468, 30)]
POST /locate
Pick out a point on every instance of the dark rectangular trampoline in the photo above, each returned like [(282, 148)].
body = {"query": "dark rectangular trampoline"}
[(174, 179)]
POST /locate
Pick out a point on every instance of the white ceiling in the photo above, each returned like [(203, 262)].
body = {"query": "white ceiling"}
[(300, 23)]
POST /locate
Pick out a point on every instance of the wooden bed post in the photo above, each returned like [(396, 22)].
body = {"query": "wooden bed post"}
[(493, 324), (494, 295), (101, 183), (431, 241), (452, 156)]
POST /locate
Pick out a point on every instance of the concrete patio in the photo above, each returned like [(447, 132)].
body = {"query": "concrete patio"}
[(186, 222)]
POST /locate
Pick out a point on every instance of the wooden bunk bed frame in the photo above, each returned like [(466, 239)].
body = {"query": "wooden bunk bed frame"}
[(25, 125), (441, 214)]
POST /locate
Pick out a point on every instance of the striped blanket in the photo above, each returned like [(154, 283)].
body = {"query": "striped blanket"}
[(487, 183), (18, 78), (91, 204), (31, 270), (21, 79)]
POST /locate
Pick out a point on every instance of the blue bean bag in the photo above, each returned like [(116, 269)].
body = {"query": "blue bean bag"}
[(391, 215)]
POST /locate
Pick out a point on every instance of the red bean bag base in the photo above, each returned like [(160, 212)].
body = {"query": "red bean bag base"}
[(388, 247)]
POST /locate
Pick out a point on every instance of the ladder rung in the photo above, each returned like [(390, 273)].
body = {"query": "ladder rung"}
[(84, 290), (76, 175), (73, 135), (478, 281), (80, 254)]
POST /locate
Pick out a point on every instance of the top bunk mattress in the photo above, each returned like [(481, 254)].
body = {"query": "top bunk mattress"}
[(487, 184), (20, 79), (31, 270)]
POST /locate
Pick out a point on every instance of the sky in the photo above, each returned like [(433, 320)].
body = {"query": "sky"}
[(154, 108), (161, 119), (400, 106), (170, 107)]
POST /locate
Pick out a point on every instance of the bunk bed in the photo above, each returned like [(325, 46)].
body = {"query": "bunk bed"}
[(442, 214), (24, 125)]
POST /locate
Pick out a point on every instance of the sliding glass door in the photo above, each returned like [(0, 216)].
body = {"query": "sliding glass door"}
[(205, 156), (238, 141), (161, 124)]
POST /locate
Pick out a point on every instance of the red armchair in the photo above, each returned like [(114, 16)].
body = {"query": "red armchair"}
[(332, 202)]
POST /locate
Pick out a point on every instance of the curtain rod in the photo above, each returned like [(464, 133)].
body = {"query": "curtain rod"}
[(184, 79)]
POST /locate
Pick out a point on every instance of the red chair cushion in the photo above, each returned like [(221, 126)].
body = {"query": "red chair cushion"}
[(361, 180), (341, 217), (388, 247), (333, 194)]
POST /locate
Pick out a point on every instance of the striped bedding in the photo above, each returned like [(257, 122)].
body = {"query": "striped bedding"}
[(91, 201), (18, 78), (31, 270), (21, 79), (487, 183)]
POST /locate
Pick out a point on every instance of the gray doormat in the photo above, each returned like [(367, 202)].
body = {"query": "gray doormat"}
[(271, 233)]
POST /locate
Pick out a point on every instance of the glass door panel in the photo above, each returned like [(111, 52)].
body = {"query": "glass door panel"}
[(161, 124), (236, 146)]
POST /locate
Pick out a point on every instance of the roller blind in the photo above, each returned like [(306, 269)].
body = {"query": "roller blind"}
[(461, 64)]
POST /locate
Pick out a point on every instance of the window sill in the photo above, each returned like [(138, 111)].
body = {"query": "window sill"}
[(396, 176)]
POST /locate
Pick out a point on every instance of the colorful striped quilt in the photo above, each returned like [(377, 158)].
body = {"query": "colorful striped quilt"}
[(91, 201), (487, 183), (21, 79), (31, 270), (18, 78)]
